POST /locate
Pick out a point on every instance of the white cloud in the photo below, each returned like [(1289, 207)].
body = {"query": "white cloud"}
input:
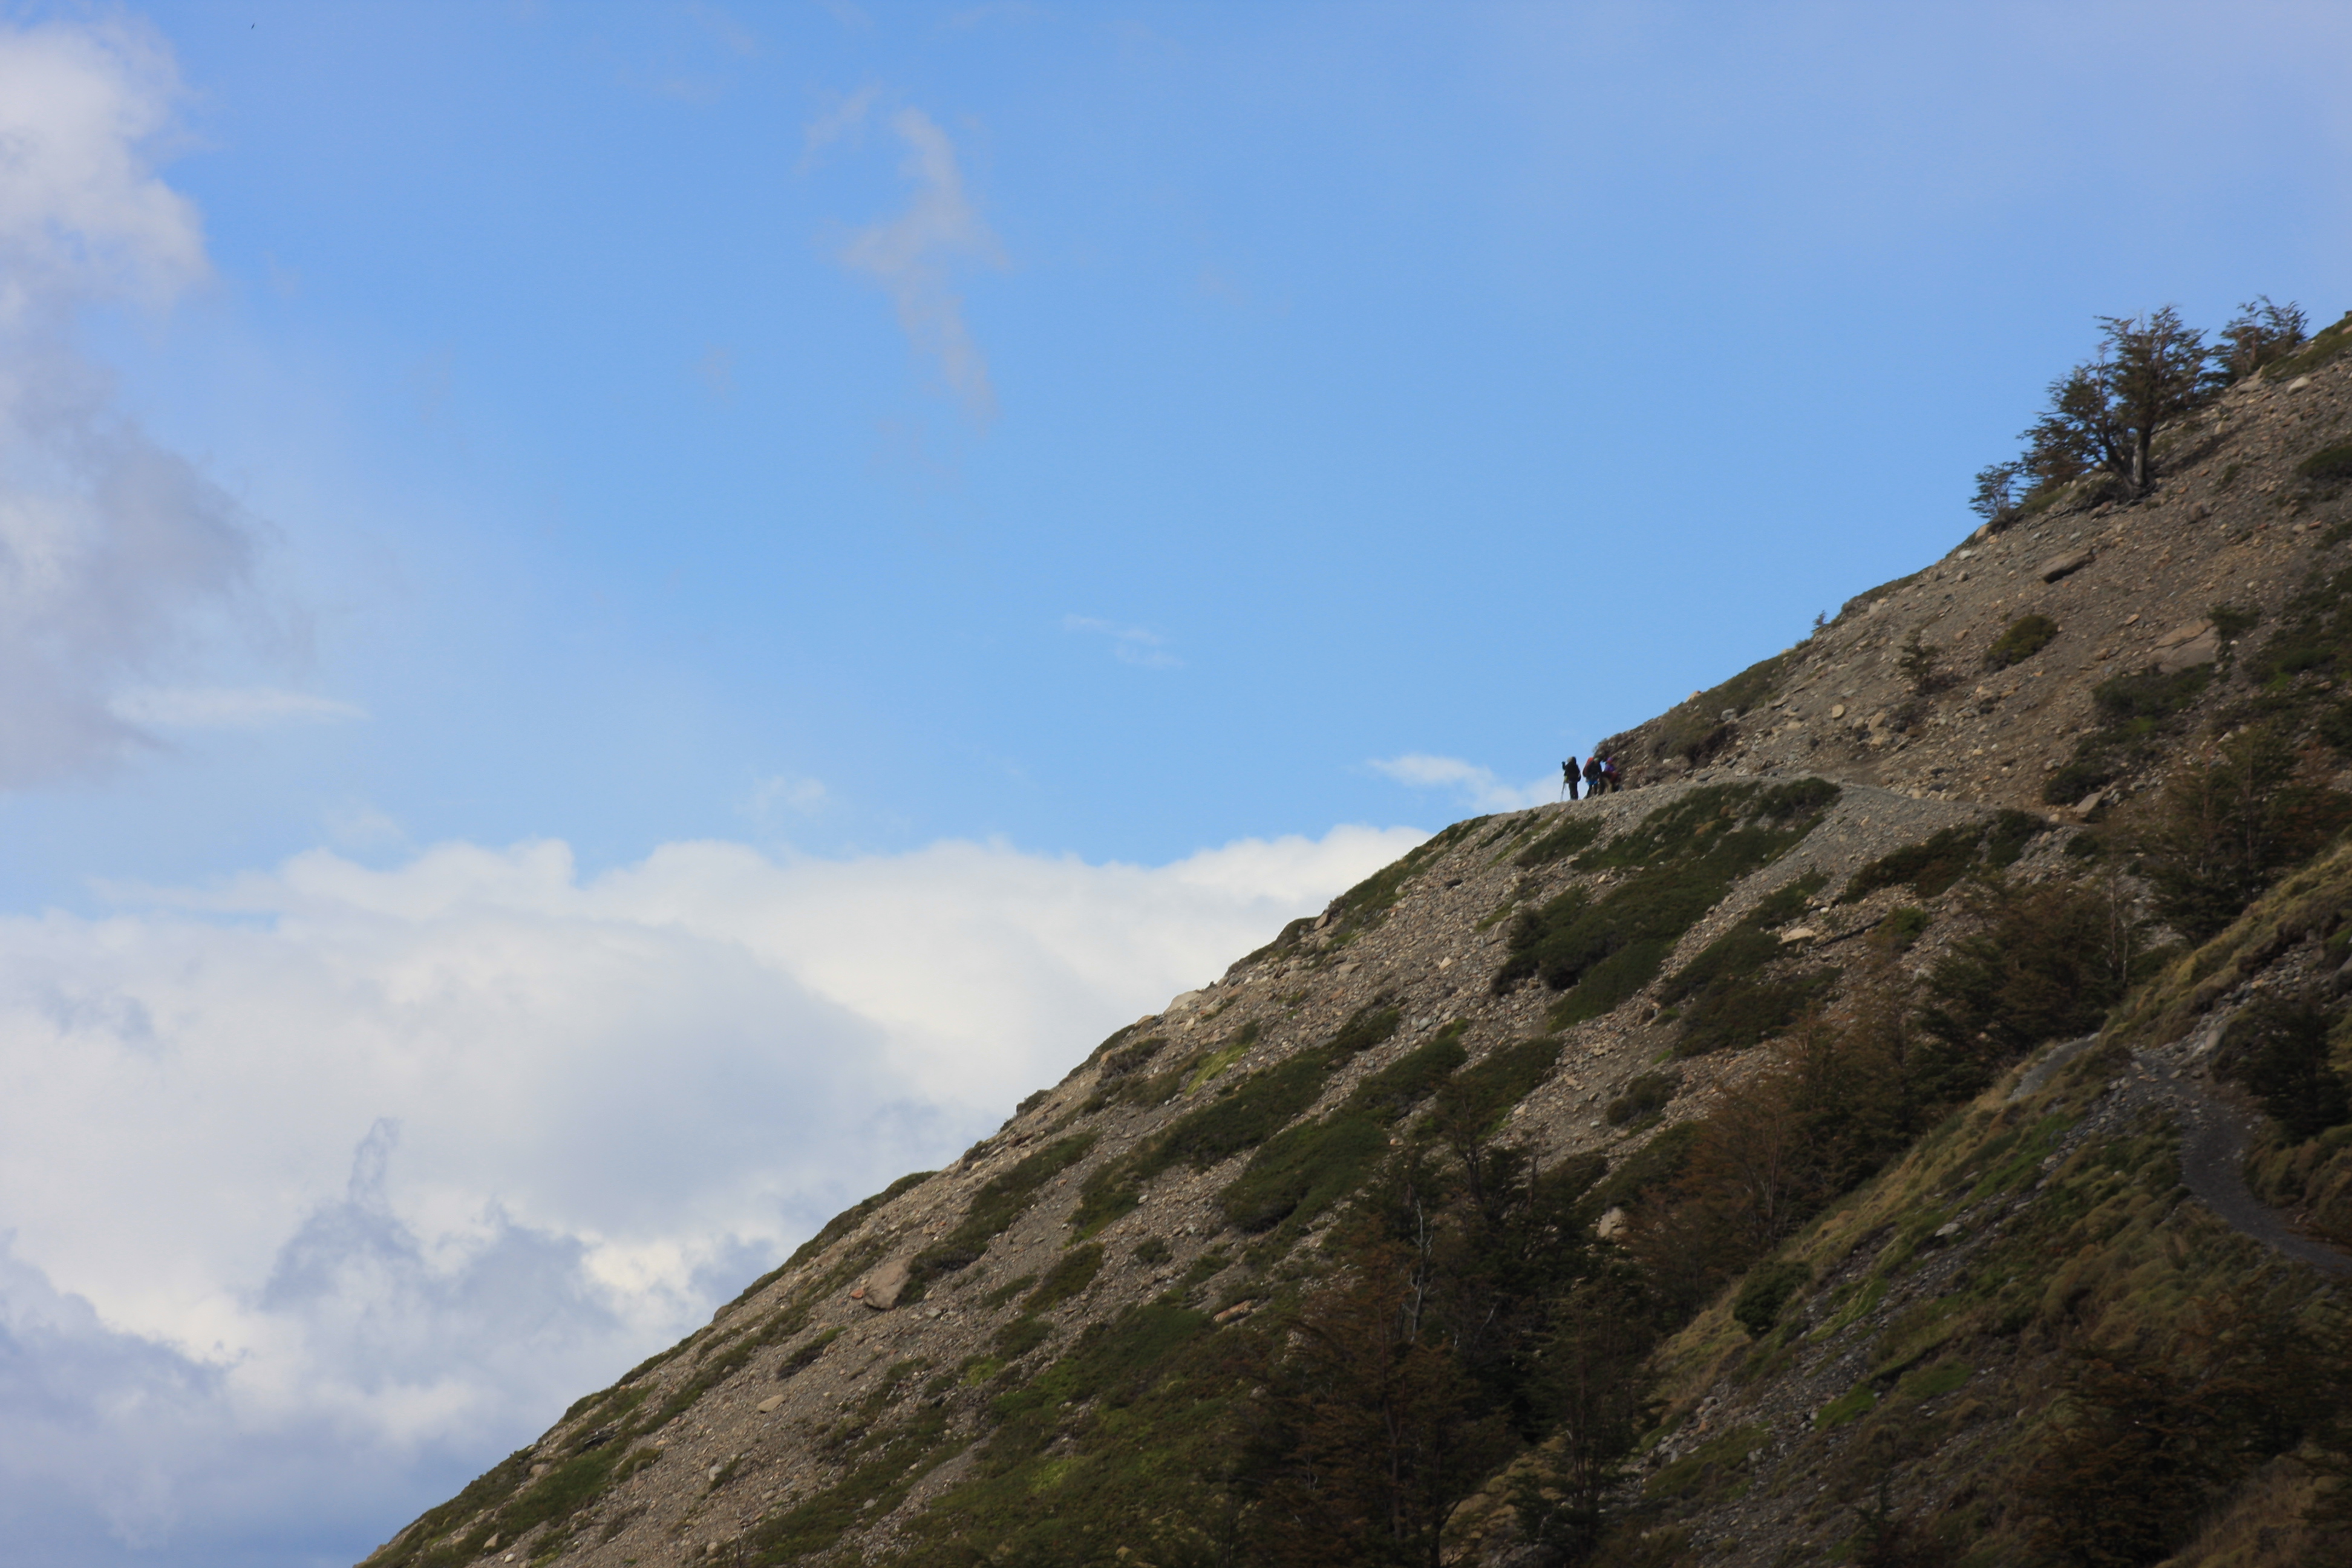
[(226, 708), (117, 557), (1474, 785), (1128, 645), (82, 214), (323, 1187), (786, 792), (912, 256)]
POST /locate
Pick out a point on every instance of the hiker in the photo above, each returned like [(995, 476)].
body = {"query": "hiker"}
[(1594, 783), (1567, 779), (1609, 774)]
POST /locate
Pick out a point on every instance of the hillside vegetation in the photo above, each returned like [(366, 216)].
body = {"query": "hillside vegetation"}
[(1912, 1127)]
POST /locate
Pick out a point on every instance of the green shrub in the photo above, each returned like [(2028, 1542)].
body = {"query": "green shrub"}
[(2026, 636), (1742, 1010), (1768, 1286), (1902, 928), (1473, 1102), (1067, 1279), (1002, 1199), (1569, 839), (1152, 1251), (2329, 465), (2278, 1049), (2149, 695), (1648, 1092), (1927, 867)]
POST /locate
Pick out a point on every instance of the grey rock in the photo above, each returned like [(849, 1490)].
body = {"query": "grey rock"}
[(2073, 561), (2198, 650), (885, 1284)]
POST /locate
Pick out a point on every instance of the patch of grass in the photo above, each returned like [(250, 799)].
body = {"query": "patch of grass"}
[(1852, 1405), (1572, 837), (1739, 1011), (2329, 465), (1152, 1251), (1657, 1163), (1927, 867), (1695, 731), (1648, 1094), (1473, 1102), (1902, 928), (1006, 1291), (1224, 1056), (1767, 1289), (1309, 1166), (1930, 1382), (1002, 1200), (801, 1360), (2026, 636), (1700, 1472), (1067, 1280), (1685, 857), (1255, 1110)]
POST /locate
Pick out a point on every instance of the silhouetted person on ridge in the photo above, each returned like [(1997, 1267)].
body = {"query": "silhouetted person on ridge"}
[(1594, 783), (1567, 779)]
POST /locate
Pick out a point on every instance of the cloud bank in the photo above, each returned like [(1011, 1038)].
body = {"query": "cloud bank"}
[(322, 1188), (117, 557)]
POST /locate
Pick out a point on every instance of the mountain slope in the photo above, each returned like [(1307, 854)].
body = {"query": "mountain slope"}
[(1721, 1071)]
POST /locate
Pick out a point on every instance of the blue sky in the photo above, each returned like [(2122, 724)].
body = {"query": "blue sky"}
[(743, 582)]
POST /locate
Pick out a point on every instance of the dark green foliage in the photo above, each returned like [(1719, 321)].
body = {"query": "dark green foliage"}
[(2261, 334), (2149, 695), (1695, 731), (1253, 1110), (2230, 622), (1152, 1251), (1758, 1306), (2314, 633), (2026, 636), (1569, 837), (1126, 1437), (1307, 1167), (2132, 711), (801, 1360), (1686, 857), (2329, 465), (2047, 962), (1002, 1199), (1927, 867), (1655, 1166), (2147, 1443), (1902, 928), (1725, 1000), (2227, 827), (1128, 1060), (1301, 1170), (1741, 1010), (1067, 1280), (1006, 1291), (1919, 667), (2011, 831), (2278, 1049), (1645, 1095), (2104, 414), (837, 1227), (1473, 1102)]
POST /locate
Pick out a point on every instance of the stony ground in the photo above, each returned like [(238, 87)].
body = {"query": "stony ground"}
[(757, 1411)]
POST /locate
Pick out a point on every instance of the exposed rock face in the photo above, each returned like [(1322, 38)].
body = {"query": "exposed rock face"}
[(845, 1403)]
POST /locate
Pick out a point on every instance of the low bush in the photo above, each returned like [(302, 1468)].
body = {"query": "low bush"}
[(1647, 1094), (2026, 636), (2329, 465)]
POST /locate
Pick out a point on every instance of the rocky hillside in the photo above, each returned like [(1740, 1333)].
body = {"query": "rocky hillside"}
[(1909, 1127)]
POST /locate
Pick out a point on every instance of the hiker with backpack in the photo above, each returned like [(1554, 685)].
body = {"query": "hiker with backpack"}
[(1567, 779), (1609, 774), (1593, 782)]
